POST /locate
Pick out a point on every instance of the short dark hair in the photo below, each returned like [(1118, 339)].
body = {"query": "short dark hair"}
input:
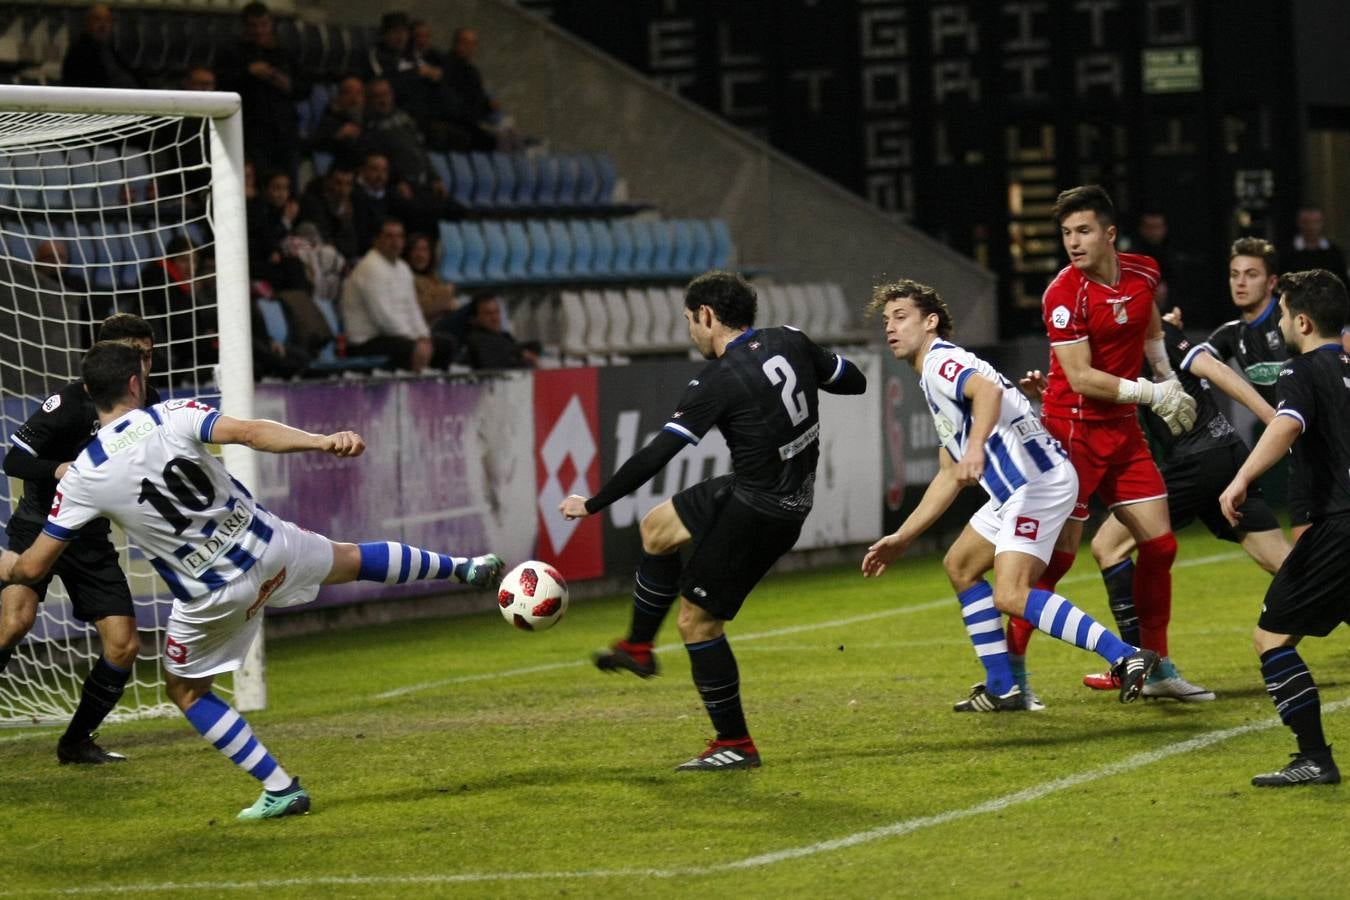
[(925, 299), (391, 20), (254, 10), (107, 367), (1090, 197), (1319, 295), (728, 295), (1258, 247), (124, 327)]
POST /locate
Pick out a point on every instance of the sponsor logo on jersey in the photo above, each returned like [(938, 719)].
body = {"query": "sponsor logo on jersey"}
[(1274, 339), (1026, 428), (698, 592), (1060, 317), (175, 652), (1122, 315), (1026, 527), (52, 404), (266, 590), (56, 503), (1264, 372), (950, 368), (231, 526), (799, 443), (124, 439)]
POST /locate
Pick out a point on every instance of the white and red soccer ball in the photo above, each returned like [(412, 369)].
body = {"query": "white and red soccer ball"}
[(532, 596)]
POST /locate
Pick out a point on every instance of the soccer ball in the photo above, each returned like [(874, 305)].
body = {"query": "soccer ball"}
[(532, 596)]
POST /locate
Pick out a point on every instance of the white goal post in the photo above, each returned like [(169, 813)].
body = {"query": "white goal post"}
[(103, 192)]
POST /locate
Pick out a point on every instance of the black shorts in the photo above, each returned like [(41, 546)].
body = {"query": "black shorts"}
[(1299, 511), (1310, 595), (733, 546), (1194, 484), (89, 568)]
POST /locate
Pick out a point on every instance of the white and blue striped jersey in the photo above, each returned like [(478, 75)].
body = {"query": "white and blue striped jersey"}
[(1018, 449), (151, 473)]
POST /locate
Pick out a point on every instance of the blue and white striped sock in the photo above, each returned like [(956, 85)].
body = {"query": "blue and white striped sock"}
[(227, 731), (1059, 618), (394, 563), (985, 627)]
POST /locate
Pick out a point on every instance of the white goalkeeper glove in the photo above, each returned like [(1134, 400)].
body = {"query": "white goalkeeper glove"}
[(1166, 398)]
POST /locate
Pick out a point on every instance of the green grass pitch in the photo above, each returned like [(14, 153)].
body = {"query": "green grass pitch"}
[(463, 758)]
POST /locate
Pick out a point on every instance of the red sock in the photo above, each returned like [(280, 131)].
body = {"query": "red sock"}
[(1019, 629), (1153, 590), (1019, 635)]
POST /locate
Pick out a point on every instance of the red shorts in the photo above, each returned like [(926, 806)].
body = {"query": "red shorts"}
[(1112, 459)]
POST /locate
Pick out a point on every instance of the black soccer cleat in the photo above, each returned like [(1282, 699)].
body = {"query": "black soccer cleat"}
[(85, 752), (626, 657), (736, 754), (1301, 770), (981, 700), (1132, 671)]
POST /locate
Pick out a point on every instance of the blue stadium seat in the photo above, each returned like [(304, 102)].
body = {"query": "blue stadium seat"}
[(109, 170), (494, 265), (700, 251), (518, 251), (27, 173), (441, 166), (721, 244), (452, 253), (475, 253), (607, 178), (541, 250), (274, 319), (560, 265), (588, 184), (583, 253), (546, 182), (461, 187), (642, 247), (622, 239), (566, 196), (663, 247), (505, 172), (484, 181), (602, 242), (682, 248), (83, 178), (525, 179)]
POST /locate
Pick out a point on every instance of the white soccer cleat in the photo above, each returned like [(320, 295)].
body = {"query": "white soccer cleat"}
[(1166, 681)]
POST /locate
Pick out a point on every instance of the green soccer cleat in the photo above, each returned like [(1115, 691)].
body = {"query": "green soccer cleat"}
[(294, 801), (481, 571)]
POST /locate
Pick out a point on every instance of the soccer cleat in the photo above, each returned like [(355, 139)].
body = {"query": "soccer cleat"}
[(1167, 682), (1030, 701), (981, 700), (1301, 770), (85, 752), (623, 656), (1102, 681), (737, 754), (294, 801), (481, 571), (1132, 670)]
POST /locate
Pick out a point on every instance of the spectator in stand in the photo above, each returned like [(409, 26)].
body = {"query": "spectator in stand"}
[(273, 358), (91, 60), (327, 204), (389, 59), (199, 78), (370, 199), (261, 73), (435, 295), (177, 306), (1310, 248), (418, 196), (341, 129), (1151, 240), (447, 122), (380, 311), (465, 83), (488, 345), (52, 269), (271, 218)]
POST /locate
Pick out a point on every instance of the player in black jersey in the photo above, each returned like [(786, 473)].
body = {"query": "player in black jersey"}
[(1253, 339), (760, 391), (1310, 594), (43, 447), (1196, 467)]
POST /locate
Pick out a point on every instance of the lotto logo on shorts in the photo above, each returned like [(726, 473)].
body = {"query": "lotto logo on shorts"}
[(950, 369), (56, 503), (175, 652), (1027, 528)]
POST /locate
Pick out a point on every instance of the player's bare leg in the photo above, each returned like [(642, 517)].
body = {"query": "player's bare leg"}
[(18, 612)]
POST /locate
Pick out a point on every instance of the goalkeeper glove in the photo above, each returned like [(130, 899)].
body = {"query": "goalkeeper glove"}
[(1166, 398)]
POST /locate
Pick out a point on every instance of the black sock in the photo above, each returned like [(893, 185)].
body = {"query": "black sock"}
[(102, 689), (719, 684), (1294, 692), (5, 654), (654, 590), (1120, 594)]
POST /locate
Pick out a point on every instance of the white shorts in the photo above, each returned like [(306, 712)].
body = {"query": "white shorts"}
[(211, 634), (1032, 518)]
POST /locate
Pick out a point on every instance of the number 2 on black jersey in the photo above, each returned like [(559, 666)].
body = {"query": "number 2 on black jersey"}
[(778, 370)]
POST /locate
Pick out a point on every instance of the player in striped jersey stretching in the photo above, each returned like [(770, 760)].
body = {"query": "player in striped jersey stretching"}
[(990, 436), (222, 554)]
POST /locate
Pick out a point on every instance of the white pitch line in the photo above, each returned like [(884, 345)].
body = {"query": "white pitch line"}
[(895, 829), (753, 636)]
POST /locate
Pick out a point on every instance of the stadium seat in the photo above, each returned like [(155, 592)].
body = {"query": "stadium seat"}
[(475, 253), (582, 252), (494, 265), (817, 311), (701, 244), (541, 250), (607, 179), (722, 247), (622, 239), (484, 181), (640, 319), (619, 339), (546, 182), (679, 328), (799, 315), (109, 171), (139, 180), (525, 180), (565, 196), (588, 184), (839, 315), (774, 305), (518, 251), (83, 179), (461, 185), (641, 231), (602, 244), (274, 318), (27, 172), (452, 253), (560, 266), (658, 307), (573, 338), (597, 324), (505, 172), (440, 164), (663, 248), (682, 248)]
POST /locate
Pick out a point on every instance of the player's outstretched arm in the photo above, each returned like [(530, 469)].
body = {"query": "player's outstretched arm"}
[(1275, 442), (1205, 365), (941, 491), (274, 437), (634, 473), (33, 564)]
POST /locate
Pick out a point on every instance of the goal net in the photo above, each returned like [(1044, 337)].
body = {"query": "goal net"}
[(118, 201)]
